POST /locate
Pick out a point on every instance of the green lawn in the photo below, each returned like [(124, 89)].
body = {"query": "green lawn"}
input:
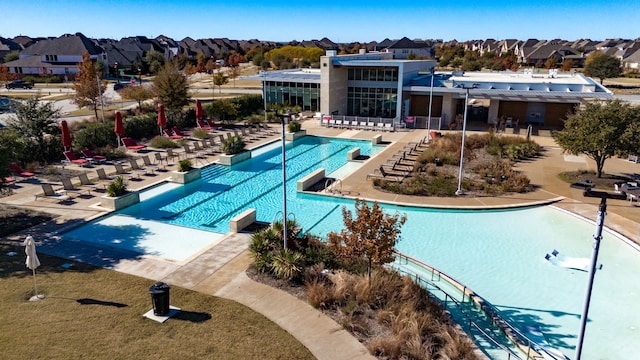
[(110, 324)]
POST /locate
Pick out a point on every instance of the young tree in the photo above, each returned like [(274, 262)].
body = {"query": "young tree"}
[(36, 121), (234, 72), (171, 87), (138, 93), (86, 88), (155, 61), (5, 74), (372, 234), (12, 55), (550, 63), (602, 66), (219, 79), (600, 131), (222, 109)]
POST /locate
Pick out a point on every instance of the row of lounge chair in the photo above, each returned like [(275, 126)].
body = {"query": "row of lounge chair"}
[(362, 124), (400, 165)]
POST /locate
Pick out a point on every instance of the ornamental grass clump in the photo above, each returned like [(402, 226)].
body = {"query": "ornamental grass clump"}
[(117, 187), (233, 145)]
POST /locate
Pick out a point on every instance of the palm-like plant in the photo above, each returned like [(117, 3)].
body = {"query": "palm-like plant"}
[(233, 145), (117, 187), (287, 264)]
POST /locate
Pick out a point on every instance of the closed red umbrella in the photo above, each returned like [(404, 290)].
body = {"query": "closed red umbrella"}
[(162, 118), (66, 135), (118, 127), (199, 111)]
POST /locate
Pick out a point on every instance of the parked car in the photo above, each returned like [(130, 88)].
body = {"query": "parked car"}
[(19, 84), (120, 86)]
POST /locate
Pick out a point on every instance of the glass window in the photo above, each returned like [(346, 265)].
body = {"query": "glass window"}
[(358, 74), (350, 75), (365, 74)]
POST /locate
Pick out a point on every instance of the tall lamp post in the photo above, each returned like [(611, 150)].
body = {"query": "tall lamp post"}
[(285, 118), (464, 128), (433, 74), (117, 72), (602, 211), (264, 95)]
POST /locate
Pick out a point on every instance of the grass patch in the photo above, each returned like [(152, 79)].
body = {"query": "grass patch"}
[(606, 182), (14, 219), (110, 324)]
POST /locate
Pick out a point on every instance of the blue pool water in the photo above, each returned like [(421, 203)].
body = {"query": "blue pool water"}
[(499, 254)]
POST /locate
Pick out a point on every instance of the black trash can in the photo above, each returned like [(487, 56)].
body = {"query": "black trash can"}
[(438, 162), (160, 298)]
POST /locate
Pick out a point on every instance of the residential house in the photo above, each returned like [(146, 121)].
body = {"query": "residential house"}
[(59, 56), (403, 47)]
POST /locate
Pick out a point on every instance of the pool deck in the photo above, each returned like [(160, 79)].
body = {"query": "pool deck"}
[(220, 269)]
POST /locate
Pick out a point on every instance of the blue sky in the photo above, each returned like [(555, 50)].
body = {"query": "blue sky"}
[(340, 21)]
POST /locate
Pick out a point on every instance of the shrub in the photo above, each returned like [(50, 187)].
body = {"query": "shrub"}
[(184, 165), (200, 133), (117, 187), (115, 153), (294, 126), (163, 142), (94, 135), (287, 264), (141, 127), (233, 145)]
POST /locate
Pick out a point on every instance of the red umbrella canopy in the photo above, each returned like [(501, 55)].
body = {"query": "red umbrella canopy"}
[(118, 128), (199, 111), (66, 135), (162, 118)]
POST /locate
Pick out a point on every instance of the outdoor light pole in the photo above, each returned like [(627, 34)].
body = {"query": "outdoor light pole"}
[(117, 73), (464, 128), (264, 95), (433, 73), (284, 118), (602, 211)]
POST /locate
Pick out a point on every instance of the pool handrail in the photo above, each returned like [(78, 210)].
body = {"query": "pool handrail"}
[(472, 323), (515, 335)]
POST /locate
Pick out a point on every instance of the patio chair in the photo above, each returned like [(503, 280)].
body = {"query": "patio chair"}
[(48, 192), (74, 159), (160, 160), (8, 180), (91, 156), (212, 125), (169, 133), (84, 181), (17, 171), (68, 186), (131, 144)]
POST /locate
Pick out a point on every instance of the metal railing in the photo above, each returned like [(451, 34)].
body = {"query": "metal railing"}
[(526, 345)]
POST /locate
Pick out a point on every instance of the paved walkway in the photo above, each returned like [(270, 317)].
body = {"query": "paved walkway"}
[(220, 269)]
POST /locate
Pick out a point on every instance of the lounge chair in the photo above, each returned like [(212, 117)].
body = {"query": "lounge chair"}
[(160, 160), (48, 192), (84, 181), (121, 171), (91, 156), (68, 186), (169, 133), (74, 159), (17, 171), (178, 132), (102, 175), (203, 126), (211, 124), (8, 180), (147, 163), (131, 144), (138, 168)]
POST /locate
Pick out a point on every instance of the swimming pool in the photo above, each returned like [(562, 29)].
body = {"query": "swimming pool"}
[(499, 254)]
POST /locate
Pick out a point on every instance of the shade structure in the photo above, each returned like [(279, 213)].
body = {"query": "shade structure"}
[(32, 263), (66, 135), (199, 111), (118, 127), (162, 117)]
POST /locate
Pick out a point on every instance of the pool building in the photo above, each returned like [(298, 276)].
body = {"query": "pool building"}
[(377, 85)]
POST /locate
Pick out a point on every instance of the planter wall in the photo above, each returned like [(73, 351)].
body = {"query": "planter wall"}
[(186, 177), (234, 159), (120, 202), (295, 135)]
